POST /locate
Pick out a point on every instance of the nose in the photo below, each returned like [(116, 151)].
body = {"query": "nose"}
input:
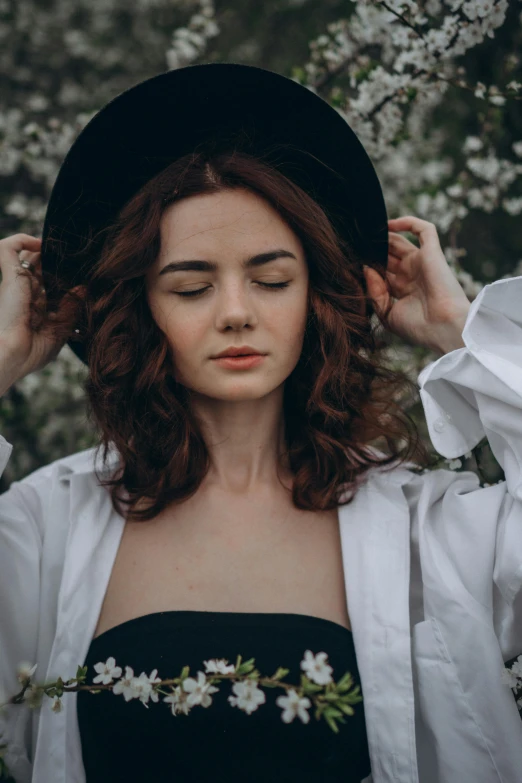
[(234, 307)]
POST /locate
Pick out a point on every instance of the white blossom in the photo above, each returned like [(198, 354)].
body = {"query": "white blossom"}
[(57, 705), (220, 666), (486, 168), (199, 690), (455, 191), (153, 680), (477, 9), (24, 671), (472, 144), (294, 706), (142, 688), (138, 687), (178, 701), (516, 667), (33, 697), (248, 696), (513, 676), (190, 42), (316, 667), (433, 7), (126, 685), (513, 205), (106, 671)]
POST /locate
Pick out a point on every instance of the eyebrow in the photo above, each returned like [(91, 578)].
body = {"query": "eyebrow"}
[(211, 266)]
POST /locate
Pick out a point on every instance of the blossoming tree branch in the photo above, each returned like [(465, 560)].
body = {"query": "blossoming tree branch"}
[(332, 700)]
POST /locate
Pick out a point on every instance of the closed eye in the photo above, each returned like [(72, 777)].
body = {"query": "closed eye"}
[(202, 290)]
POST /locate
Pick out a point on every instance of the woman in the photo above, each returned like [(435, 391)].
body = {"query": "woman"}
[(248, 514)]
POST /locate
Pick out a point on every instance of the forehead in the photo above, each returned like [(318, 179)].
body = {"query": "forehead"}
[(232, 216)]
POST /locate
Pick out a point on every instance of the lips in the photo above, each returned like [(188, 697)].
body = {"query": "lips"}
[(245, 350), (244, 362)]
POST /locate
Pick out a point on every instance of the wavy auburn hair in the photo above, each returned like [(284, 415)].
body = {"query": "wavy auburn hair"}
[(339, 400)]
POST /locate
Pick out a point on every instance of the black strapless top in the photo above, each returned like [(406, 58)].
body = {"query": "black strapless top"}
[(125, 741)]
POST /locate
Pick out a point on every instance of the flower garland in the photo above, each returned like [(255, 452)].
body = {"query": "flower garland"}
[(332, 700)]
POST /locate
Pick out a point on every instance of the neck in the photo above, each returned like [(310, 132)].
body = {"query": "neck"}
[(245, 440)]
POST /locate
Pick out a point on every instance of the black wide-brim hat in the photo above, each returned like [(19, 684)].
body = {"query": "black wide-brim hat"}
[(144, 129)]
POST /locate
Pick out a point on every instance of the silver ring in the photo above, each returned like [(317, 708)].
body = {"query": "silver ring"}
[(26, 264)]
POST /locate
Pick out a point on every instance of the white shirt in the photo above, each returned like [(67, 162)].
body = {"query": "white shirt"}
[(432, 565)]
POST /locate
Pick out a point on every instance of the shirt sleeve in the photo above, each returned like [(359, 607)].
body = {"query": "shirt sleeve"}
[(20, 559), (467, 394)]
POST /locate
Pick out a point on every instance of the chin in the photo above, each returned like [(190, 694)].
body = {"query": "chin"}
[(240, 394), (236, 391)]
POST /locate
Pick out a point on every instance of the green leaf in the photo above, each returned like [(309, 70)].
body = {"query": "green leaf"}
[(354, 697), (333, 712), (309, 686), (81, 673), (331, 696), (246, 667), (332, 724), (280, 673), (345, 683)]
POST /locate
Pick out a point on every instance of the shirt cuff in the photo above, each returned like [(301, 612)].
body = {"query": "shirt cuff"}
[(490, 364)]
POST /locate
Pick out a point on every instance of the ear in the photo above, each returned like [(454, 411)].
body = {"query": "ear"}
[(377, 289)]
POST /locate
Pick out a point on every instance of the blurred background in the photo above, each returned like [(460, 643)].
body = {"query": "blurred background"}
[(446, 141)]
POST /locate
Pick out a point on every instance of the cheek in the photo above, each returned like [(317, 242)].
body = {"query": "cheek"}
[(185, 336), (287, 322)]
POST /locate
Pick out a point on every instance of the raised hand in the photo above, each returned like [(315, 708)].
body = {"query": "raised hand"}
[(421, 300), (23, 349)]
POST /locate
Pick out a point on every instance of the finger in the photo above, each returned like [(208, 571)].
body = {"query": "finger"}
[(394, 263), (395, 287), (20, 241), (11, 247), (402, 263), (423, 229), (400, 243), (34, 258)]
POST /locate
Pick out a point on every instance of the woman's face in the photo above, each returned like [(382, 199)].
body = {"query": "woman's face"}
[(209, 244)]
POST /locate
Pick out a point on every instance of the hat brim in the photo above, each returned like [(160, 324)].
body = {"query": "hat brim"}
[(142, 130)]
